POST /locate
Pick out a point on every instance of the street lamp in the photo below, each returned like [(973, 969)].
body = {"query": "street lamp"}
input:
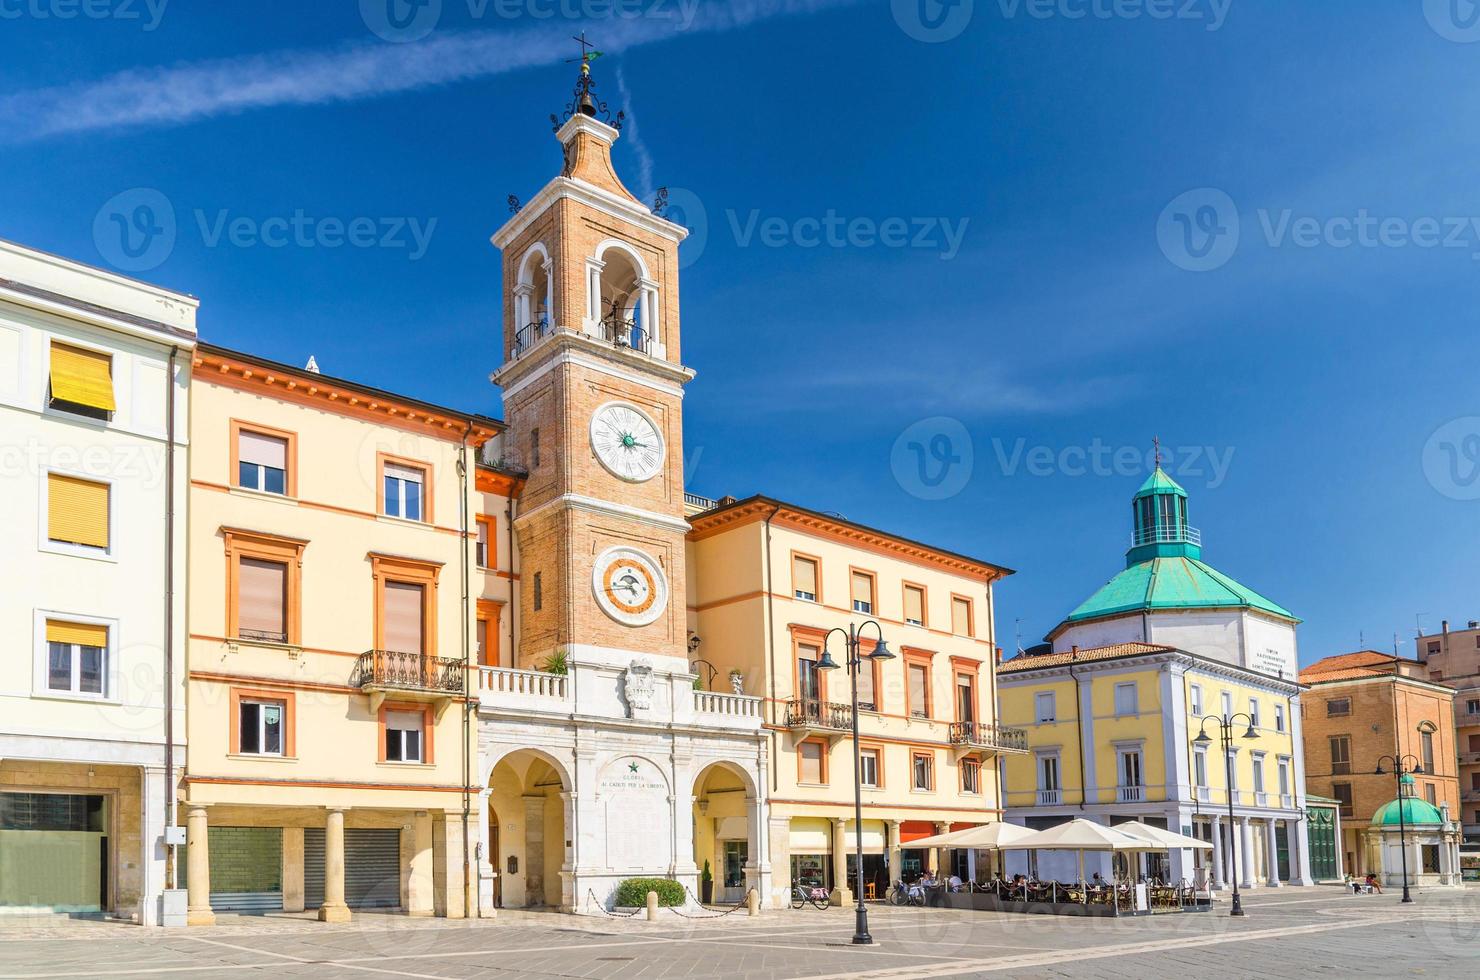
[(854, 659), (1225, 732), (1401, 769)]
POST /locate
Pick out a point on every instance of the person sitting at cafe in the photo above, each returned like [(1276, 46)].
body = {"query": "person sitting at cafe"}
[(954, 883), (1373, 883)]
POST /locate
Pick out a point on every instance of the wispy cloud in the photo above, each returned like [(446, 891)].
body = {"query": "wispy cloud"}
[(180, 94), (635, 141)]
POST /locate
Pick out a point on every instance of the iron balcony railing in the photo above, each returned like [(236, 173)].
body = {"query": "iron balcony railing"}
[(812, 713), (262, 636), (529, 335), (622, 332), (1166, 534), (989, 736), (408, 671)]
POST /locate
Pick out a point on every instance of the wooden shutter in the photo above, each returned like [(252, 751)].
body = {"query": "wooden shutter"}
[(403, 617), (260, 450), (863, 588), (804, 575), (262, 596), (82, 634), (82, 377), (811, 762), (914, 604), (76, 511), (919, 681), (961, 616), (404, 721)]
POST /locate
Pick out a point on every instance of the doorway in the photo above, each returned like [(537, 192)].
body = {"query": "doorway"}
[(732, 884)]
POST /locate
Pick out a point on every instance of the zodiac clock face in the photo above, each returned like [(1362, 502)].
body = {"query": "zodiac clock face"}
[(627, 442), (630, 586)]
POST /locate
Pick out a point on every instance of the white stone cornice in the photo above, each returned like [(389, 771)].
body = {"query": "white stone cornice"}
[(614, 205), (577, 501)]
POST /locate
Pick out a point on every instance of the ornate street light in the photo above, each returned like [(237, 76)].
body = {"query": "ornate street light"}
[(1401, 769), (1225, 732), (855, 657)]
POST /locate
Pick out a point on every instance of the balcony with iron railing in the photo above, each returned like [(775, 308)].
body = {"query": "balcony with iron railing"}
[(1166, 534), (811, 714), (619, 331), (417, 675), (528, 336), (979, 734), (262, 636)]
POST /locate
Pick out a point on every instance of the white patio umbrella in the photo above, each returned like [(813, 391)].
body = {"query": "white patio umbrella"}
[(1165, 840), (987, 837), (1082, 835)]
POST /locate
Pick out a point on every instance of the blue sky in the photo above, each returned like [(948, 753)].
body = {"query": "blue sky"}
[(1063, 230)]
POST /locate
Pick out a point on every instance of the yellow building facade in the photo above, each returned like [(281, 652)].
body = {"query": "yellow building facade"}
[(334, 568), (768, 583)]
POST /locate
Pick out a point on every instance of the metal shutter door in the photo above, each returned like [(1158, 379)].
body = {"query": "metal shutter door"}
[(246, 869), (372, 867)]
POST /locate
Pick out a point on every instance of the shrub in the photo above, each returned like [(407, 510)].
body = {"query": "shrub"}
[(632, 892)]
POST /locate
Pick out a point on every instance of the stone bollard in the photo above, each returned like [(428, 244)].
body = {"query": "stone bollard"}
[(752, 902), (652, 906)]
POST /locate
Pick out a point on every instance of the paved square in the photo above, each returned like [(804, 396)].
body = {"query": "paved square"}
[(1290, 933)]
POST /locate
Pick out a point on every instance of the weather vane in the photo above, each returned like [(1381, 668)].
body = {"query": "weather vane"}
[(1156, 441), (586, 102)]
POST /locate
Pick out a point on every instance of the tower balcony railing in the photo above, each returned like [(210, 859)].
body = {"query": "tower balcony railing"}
[(980, 734), (527, 336), (619, 331), (1166, 534)]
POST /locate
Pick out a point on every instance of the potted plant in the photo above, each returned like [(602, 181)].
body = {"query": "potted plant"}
[(706, 884), (557, 663)]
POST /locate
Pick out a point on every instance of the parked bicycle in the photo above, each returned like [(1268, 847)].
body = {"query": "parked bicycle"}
[(901, 894), (813, 893)]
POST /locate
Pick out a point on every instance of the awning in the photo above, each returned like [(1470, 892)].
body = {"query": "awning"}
[(913, 830), (82, 377), (987, 837), (810, 835)]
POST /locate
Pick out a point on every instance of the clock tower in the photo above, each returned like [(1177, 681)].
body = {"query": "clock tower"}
[(593, 397)]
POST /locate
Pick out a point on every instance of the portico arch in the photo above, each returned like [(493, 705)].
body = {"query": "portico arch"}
[(528, 800), (727, 829)]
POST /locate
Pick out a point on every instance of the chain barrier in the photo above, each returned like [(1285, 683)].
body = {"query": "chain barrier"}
[(591, 900), (715, 915)]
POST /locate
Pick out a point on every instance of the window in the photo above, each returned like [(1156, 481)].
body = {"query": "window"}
[(1284, 776), (262, 460), (1125, 699), (81, 382), (965, 697), (1128, 768), (403, 614), (261, 727), (804, 578), (868, 767), (1473, 705), (1433, 646), (488, 613), (1048, 773), (1426, 743), (404, 736), (811, 766), (919, 684), (1431, 793), (76, 658), (1338, 707), (481, 637), (1200, 767), (1254, 712), (483, 549), (404, 488), (1343, 794), (1194, 699), (961, 623), (1043, 704), (263, 586), (262, 600), (1341, 754), (922, 771), (1258, 760), (971, 776), (914, 605), (539, 597), (1474, 743), (1436, 675), (866, 696), (534, 448), (77, 512), (809, 678), (1279, 717), (863, 592), (1226, 698)]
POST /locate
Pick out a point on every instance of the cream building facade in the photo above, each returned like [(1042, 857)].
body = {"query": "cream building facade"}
[(768, 581), (94, 370), (333, 631)]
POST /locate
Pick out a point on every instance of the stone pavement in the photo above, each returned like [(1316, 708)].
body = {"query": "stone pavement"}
[(1289, 933)]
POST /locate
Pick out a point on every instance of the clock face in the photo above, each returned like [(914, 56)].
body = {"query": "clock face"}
[(627, 442), (629, 586)]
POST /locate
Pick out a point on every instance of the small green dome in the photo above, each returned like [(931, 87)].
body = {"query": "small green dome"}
[(1159, 483), (1415, 812)]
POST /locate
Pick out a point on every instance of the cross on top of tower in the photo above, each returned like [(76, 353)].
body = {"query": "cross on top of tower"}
[(587, 55), (1156, 441), (585, 101)]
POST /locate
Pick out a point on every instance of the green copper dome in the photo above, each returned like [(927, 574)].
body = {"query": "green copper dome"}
[(1159, 482), (1415, 812)]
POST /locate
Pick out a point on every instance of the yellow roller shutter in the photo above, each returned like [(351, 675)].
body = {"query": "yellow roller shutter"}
[(78, 633), (77, 511), (82, 377)]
